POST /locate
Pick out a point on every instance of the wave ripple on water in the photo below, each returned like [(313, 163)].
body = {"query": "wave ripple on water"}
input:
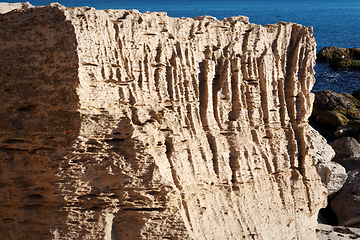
[(337, 80)]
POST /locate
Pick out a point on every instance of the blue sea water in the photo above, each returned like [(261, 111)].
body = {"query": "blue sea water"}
[(335, 23)]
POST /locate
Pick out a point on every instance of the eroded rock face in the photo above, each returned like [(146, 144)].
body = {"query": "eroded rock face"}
[(122, 125), (7, 7)]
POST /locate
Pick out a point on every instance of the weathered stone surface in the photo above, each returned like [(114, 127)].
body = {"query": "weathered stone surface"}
[(337, 110), (352, 128), (7, 7), (332, 174), (327, 232), (122, 125), (345, 63), (346, 202), (323, 151), (346, 147), (328, 100), (334, 119), (340, 57), (331, 53)]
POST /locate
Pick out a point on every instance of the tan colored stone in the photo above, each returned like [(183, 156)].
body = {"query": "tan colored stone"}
[(7, 7), (125, 125), (323, 151), (327, 232), (333, 175)]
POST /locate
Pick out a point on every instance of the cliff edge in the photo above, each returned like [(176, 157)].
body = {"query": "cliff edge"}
[(125, 125)]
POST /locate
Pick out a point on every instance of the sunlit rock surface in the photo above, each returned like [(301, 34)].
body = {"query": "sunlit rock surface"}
[(124, 125)]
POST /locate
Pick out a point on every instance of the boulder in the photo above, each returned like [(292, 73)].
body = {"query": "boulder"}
[(344, 63), (328, 232), (333, 175), (327, 54), (323, 151), (347, 201), (118, 124), (328, 100), (334, 119), (346, 147), (337, 110), (352, 128)]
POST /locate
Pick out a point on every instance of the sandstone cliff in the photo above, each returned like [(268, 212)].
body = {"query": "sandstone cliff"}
[(128, 125)]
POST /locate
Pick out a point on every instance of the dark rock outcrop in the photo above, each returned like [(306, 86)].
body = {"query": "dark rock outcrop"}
[(346, 147), (340, 57), (346, 202), (329, 53), (356, 94), (328, 100), (336, 112)]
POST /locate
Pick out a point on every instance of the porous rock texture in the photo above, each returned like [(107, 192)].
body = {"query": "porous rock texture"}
[(327, 232), (117, 124), (7, 7)]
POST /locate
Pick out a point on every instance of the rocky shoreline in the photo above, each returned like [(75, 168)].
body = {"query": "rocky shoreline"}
[(340, 57), (336, 116)]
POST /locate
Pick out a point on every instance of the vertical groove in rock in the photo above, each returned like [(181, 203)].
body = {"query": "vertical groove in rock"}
[(235, 90), (205, 95), (151, 127)]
